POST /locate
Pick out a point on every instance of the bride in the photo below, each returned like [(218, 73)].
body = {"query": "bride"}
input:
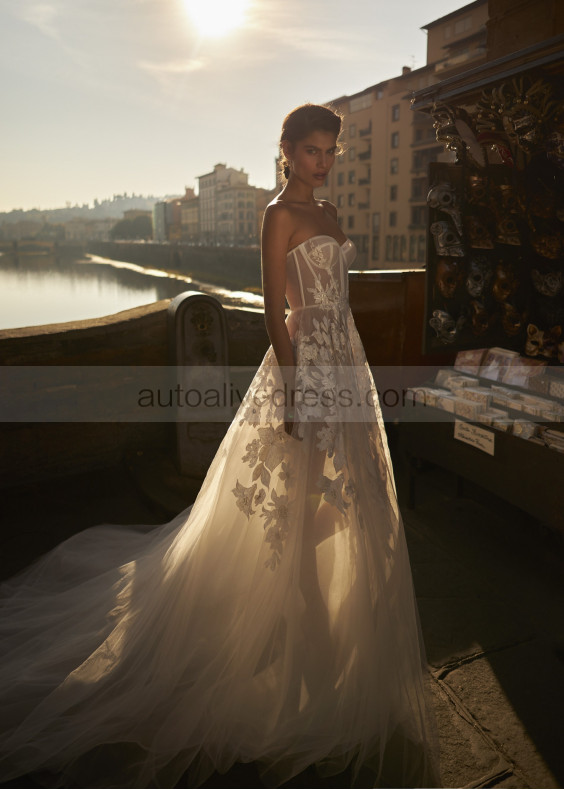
[(274, 621)]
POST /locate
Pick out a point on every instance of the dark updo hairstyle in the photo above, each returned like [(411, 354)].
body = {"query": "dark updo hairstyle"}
[(304, 120)]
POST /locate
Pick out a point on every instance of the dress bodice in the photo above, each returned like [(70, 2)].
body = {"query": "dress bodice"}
[(316, 272)]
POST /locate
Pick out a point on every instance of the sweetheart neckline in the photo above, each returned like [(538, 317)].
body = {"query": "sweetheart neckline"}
[(318, 236)]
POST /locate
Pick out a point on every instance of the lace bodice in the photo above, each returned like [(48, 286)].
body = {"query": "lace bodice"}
[(316, 272)]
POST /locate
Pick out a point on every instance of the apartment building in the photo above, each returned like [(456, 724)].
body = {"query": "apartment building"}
[(236, 214), (209, 185), (380, 183)]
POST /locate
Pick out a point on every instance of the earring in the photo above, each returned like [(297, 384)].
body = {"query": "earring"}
[(286, 171)]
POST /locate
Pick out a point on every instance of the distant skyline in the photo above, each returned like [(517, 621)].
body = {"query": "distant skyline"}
[(104, 97)]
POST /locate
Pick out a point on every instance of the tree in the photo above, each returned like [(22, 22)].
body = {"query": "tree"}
[(137, 228)]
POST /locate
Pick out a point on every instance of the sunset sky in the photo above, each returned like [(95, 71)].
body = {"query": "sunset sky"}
[(102, 97)]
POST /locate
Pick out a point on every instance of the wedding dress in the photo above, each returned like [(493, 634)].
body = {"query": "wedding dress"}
[(273, 621)]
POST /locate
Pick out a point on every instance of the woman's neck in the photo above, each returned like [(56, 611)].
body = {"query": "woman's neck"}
[(298, 193)]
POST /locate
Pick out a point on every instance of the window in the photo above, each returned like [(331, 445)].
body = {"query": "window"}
[(421, 159), (394, 166), (418, 188), (403, 248), (393, 219), (421, 249), (350, 222), (396, 252), (394, 192), (395, 112), (340, 201), (418, 215), (376, 223), (352, 130), (379, 93), (395, 140), (340, 179), (388, 248), (352, 177), (375, 248), (462, 25), (412, 248), (360, 103), (448, 31), (352, 199), (352, 153)]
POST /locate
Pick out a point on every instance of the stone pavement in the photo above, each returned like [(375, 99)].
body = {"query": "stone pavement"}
[(490, 589)]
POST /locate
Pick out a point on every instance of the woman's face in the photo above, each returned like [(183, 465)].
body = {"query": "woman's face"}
[(312, 158)]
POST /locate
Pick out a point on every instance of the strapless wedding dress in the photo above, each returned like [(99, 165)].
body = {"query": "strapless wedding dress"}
[(273, 621)]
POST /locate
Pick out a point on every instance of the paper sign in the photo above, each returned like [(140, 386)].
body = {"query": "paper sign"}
[(474, 435)]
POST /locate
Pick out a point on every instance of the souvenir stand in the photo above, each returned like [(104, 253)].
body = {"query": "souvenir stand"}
[(495, 285)]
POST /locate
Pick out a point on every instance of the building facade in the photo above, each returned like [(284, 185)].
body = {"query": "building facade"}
[(236, 214), (380, 181), (209, 185)]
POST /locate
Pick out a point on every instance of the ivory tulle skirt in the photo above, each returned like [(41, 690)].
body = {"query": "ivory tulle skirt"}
[(273, 621)]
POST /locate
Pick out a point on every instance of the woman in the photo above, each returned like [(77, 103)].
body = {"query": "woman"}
[(274, 620)]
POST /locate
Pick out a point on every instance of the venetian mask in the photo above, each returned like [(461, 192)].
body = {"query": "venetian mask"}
[(445, 128), (478, 190), (542, 343), (443, 197), (479, 275), (509, 199), (479, 235), (547, 283), (507, 231), (479, 318), (448, 276), (510, 319), (447, 241), (555, 146), (549, 245), (505, 282), (444, 325)]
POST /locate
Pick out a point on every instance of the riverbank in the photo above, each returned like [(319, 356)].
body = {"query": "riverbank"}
[(233, 268)]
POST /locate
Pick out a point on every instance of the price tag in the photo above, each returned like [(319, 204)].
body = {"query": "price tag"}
[(474, 435)]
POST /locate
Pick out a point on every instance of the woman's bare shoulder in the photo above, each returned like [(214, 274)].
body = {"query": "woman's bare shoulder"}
[(278, 216)]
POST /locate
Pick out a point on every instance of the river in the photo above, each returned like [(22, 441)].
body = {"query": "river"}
[(43, 289)]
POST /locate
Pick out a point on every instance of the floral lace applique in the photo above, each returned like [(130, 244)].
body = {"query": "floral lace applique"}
[(324, 297), (264, 455), (319, 257)]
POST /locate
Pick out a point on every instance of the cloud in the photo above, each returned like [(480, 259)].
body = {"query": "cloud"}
[(173, 66), (42, 16)]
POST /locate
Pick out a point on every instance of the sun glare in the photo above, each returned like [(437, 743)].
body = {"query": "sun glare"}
[(214, 18)]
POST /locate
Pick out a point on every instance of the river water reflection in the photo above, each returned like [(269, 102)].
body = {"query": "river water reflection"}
[(43, 289)]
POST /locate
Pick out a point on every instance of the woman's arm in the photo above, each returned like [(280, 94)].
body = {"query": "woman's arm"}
[(276, 233)]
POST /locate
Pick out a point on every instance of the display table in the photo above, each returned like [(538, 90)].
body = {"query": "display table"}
[(529, 475)]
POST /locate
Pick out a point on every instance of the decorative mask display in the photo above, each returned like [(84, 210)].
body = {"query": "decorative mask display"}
[(505, 282), (479, 275), (447, 241), (547, 283), (511, 319), (445, 128), (497, 220), (444, 325), (448, 276), (444, 198), (555, 146), (479, 236), (549, 245), (480, 319), (542, 343), (507, 231)]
